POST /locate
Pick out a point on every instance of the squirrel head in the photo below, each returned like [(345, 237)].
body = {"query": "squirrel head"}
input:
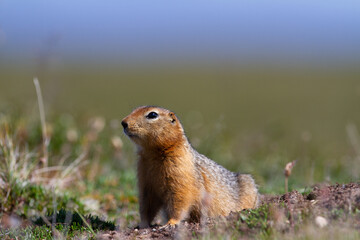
[(153, 128)]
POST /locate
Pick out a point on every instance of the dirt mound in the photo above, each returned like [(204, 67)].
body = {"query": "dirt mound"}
[(325, 205), (340, 196)]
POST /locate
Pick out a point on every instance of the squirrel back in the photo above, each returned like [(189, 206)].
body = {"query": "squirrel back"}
[(228, 191), (174, 177)]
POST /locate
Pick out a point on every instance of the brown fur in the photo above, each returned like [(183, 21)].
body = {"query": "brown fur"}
[(172, 176)]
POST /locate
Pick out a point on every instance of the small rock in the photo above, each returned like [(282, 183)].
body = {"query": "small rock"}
[(321, 221)]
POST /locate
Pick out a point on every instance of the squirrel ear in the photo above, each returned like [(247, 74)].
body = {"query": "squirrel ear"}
[(172, 117)]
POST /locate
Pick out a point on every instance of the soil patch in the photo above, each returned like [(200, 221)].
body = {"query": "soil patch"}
[(323, 206)]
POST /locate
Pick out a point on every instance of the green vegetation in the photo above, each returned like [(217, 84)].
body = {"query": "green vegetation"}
[(246, 119), (256, 217), (75, 219)]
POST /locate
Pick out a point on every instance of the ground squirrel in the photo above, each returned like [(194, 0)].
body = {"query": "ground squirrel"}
[(174, 177)]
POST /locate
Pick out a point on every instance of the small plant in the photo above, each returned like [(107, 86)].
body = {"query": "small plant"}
[(287, 172), (256, 218)]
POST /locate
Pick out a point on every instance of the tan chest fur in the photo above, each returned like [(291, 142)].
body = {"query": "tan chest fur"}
[(168, 175)]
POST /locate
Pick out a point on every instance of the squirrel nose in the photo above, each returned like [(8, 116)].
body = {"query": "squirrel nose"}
[(124, 124)]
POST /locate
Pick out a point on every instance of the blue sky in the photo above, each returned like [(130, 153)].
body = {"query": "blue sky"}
[(181, 29)]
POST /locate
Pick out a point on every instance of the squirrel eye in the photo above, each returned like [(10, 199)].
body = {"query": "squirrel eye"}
[(152, 115)]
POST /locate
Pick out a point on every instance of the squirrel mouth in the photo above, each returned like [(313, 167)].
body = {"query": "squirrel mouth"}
[(129, 134)]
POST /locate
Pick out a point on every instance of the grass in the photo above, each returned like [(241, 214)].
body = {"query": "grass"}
[(90, 165), (104, 194), (32, 191)]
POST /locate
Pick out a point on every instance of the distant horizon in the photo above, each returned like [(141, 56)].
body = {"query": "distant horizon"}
[(139, 31)]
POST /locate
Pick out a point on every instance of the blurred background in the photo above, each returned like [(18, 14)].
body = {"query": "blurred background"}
[(256, 83)]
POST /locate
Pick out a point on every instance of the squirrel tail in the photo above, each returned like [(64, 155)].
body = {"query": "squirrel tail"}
[(248, 192)]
